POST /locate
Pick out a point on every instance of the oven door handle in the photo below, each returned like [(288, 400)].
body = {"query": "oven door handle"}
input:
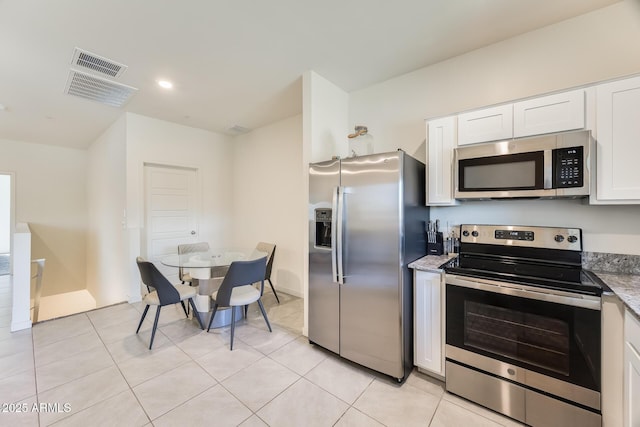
[(529, 292)]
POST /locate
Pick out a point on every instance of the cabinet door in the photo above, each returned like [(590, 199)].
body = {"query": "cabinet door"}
[(618, 141), (488, 124), (427, 327), (546, 114), (631, 371), (441, 140)]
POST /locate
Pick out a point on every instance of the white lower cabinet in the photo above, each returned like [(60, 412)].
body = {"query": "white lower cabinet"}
[(631, 371), (428, 326)]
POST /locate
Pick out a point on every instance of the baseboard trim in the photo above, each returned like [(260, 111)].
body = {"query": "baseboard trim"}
[(292, 292)]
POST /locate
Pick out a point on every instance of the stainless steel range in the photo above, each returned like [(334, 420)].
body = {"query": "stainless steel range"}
[(523, 325)]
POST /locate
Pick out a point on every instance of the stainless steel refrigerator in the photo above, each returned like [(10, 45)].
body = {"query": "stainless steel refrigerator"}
[(366, 224)]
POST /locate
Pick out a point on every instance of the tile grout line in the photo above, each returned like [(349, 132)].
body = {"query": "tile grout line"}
[(119, 370), (190, 359), (264, 356), (99, 370), (174, 342), (35, 368), (35, 373)]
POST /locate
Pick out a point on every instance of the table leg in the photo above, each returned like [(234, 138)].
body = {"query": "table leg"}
[(203, 303)]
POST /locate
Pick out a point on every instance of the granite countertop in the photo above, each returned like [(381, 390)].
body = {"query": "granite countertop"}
[(626, 287), (430, 263)]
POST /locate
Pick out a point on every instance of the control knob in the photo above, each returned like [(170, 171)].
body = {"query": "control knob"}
[(465, 233), (558, 238), (474, 233), (572, 239)]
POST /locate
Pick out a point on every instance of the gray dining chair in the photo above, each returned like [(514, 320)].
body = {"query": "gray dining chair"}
[(164, 294), (186, 248), (236, 290), (185, 276), (270, 249)]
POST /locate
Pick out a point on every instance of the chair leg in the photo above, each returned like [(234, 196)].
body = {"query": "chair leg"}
[(144, 314), (185, 309), (195, 312), (264, 314), (215, 308), (233, 325), (155, 326), (274, 291)]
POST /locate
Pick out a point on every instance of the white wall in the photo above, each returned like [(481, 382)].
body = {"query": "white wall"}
[(593, 47), (325, 109), (267, 185), (165, 143), (597, 46), (51, 198), (106, 198), (5, 213)]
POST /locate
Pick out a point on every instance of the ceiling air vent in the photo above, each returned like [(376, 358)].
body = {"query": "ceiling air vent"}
[(237, 129), (97, 63), (98, 89)]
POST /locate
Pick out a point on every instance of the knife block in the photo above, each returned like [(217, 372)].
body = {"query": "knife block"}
[(437, 247)]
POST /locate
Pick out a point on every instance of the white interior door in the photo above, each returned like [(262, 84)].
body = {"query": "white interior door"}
[(171, 213)]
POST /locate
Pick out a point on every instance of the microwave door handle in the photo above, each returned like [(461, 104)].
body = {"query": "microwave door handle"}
[(548, 169)]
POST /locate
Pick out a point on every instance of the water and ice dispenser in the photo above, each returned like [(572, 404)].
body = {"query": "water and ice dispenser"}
[(323, 228)]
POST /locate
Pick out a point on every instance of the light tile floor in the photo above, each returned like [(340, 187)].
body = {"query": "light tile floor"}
[(92, 369)]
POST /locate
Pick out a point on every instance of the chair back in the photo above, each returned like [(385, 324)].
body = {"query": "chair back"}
[(241, 273), (151, 276), (270, 249), (188, 248)]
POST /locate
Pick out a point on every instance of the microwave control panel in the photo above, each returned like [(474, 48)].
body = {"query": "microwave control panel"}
[(568, 166)]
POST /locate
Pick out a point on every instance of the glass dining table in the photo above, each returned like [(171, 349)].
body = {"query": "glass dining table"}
[(209, 269)]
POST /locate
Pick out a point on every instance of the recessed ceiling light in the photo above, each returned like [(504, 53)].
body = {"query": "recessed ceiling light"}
[(166, 84)]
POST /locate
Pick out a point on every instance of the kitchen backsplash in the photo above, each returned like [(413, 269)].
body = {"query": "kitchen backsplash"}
[(611, 263)]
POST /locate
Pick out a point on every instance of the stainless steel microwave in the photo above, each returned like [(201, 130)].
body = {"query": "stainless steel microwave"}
[(549, 166)]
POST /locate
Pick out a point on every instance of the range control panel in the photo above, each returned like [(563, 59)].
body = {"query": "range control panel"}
[(514, 235), (519, 235), (568, 166)]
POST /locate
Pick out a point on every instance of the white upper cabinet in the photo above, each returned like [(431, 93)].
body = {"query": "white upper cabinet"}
[(488, 124), (552, 113), (441, 140), (618, 142)]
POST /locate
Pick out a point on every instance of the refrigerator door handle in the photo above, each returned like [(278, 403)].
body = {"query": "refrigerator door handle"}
[(334, 247), (339, 234)]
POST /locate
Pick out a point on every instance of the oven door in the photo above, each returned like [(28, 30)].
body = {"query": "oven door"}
[(554, 337)]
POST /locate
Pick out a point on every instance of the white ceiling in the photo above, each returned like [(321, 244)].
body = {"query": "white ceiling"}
[(233, 62)]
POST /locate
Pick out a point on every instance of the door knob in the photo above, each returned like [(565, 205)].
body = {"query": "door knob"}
[(193, 232)]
